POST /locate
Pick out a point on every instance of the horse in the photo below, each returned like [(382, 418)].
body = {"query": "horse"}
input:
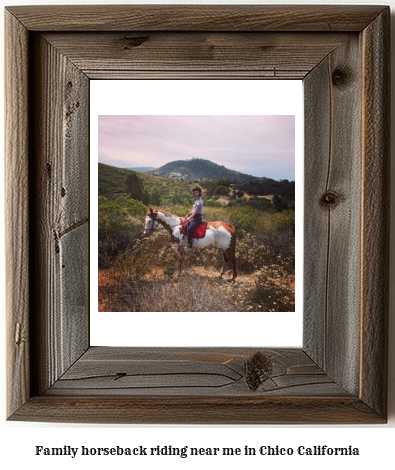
[(217, 233)]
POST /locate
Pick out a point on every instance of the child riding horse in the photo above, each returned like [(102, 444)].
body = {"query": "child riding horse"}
[(195, 217), (218, 233)]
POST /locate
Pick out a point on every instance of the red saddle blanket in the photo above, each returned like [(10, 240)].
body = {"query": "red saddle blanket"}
[(200, 230)]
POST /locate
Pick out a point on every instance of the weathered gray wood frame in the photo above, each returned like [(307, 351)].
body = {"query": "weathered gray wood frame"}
[(342, 54)]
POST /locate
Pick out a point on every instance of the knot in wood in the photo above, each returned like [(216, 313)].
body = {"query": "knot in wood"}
[(259, 369), (339, 77), (18, 334), (330, 199), (135, 41)]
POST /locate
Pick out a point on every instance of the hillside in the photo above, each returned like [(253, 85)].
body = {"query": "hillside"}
[(199, 169), (112, 181)]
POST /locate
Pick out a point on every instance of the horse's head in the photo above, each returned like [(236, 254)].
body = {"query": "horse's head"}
[(151, 223)]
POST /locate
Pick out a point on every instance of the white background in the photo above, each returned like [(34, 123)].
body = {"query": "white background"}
[(18, 440), (195, 97)]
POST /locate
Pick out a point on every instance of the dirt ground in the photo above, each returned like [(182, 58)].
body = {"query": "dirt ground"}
[(212, 292)]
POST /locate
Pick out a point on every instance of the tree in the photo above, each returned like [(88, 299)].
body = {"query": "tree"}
[(179, 196), (134, 186), (279, 203), (224, 182), (156, 195)]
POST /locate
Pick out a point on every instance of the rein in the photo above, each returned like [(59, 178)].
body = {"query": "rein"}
[(152, 229), (155, 229)]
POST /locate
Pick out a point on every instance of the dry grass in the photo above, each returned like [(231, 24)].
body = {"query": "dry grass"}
[(196, 290), (159, 293), (144, 277)]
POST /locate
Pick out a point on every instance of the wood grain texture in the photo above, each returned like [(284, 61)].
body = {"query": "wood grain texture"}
[(198, 410), (60, 180), (195, 54), (332, 229), (196, 17), (376, 211), (17, 193), (339, 376), (191, 372), (317, 113)]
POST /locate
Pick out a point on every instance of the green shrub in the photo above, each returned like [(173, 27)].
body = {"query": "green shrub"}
[(120, 222), (212, 203)]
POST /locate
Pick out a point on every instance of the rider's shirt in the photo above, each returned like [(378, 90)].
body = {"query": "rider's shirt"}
[(198, 203)]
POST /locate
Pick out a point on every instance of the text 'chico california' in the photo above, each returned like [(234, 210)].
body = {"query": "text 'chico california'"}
[(183, 452)]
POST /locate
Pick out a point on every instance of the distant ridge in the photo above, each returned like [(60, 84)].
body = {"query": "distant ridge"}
[(142, 169), (199, 169)]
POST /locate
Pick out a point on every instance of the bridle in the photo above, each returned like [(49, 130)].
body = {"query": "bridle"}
[(155, 229), (152, 229)]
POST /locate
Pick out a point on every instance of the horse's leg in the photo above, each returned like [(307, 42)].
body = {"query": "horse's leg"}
[(225, 263), (181, 255), (232, 259)]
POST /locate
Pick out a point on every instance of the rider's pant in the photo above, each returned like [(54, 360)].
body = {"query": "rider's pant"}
[(195, 222)]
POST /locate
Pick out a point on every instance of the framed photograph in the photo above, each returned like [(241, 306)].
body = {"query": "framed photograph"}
[(240, 153), (339, 375)]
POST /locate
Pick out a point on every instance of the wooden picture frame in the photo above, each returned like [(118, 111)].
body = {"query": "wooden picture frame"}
[(340, 374)]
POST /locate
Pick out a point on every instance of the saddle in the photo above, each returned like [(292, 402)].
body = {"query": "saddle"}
[(200, 230)]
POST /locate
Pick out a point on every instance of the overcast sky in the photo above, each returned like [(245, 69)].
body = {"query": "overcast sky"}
[(256, 145)]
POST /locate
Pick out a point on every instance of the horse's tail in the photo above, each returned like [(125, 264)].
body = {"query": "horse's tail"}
[(234, 224), (233, 250), (235, 234)]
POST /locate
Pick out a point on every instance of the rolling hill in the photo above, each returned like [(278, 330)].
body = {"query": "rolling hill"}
[(173, 178), (199, 169), (112, 181)]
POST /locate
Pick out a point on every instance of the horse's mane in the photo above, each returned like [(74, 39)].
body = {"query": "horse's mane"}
[(168, 214)]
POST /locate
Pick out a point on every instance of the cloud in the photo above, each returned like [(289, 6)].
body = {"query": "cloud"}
[(258, 145)]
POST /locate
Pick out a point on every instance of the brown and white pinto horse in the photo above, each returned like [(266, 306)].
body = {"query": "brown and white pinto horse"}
[(217, 233)]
